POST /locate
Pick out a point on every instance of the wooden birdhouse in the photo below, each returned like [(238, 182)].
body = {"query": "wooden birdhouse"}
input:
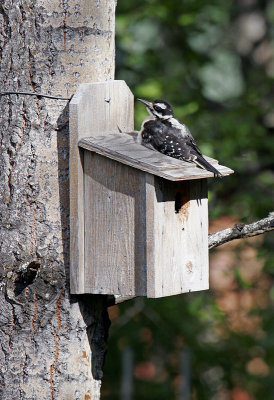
[(139, 219)]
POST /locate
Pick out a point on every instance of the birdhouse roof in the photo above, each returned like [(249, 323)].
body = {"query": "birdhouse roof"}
[(122, 147)]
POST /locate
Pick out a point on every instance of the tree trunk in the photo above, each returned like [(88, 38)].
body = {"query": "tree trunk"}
[(52, 344)]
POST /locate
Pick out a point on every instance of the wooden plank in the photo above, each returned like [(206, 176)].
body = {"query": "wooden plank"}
[(193, 172), (123, 145), (151, 244), (115, 226), (123, 148), (180, 238), (76, 199), (95, 107), (135, 242)]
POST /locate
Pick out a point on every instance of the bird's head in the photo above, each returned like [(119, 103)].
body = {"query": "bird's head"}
[(158, 108)]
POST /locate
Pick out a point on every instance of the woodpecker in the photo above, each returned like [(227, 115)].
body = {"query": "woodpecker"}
[(166, 134)]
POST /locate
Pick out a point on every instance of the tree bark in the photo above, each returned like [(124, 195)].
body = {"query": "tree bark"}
[(52, 344)]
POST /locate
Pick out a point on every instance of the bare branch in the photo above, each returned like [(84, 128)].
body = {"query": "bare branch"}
[(240, 231)]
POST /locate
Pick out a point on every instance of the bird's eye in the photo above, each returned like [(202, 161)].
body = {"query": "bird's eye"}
[(157, 108)]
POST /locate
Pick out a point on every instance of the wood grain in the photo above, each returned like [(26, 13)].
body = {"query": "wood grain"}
[(115, 241), (95, 107), (138, 218), (52, 344), (144, 236), (123, 148), (180, 228)]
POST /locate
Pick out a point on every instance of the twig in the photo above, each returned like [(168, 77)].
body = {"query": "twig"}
[(35, 94), (240, 231)]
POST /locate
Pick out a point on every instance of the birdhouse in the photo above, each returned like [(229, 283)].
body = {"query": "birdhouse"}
[(139, 219)]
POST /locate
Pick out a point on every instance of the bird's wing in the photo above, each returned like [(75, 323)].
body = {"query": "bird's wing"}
[(191, 142), (196, 155), (160, 137), (182, 132)]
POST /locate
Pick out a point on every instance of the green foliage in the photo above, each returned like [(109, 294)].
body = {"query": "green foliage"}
[(187, 53), (208, 62)]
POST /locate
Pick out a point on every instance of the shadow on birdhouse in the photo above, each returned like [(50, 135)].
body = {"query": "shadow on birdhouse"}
[(139, 219)]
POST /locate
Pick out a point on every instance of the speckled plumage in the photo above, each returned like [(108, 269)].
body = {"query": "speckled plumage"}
[(166, 134)]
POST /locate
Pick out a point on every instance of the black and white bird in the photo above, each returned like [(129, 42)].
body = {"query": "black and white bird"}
[(164, 133)]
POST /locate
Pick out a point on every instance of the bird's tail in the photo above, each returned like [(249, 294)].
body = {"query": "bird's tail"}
[(201, 161)]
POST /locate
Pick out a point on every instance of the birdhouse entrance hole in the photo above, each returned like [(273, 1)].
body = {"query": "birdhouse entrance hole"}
[(182, 201), (139, 219)]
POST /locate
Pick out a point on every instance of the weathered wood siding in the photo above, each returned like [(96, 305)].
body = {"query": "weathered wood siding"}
[(96, 107)]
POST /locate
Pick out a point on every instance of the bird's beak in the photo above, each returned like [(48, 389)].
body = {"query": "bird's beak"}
[(146, 103)]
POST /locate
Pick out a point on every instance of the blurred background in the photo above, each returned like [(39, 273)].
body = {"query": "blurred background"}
[(214, 63)]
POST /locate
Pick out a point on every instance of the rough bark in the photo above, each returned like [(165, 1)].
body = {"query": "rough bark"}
[(240, 231), (52, 344)]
